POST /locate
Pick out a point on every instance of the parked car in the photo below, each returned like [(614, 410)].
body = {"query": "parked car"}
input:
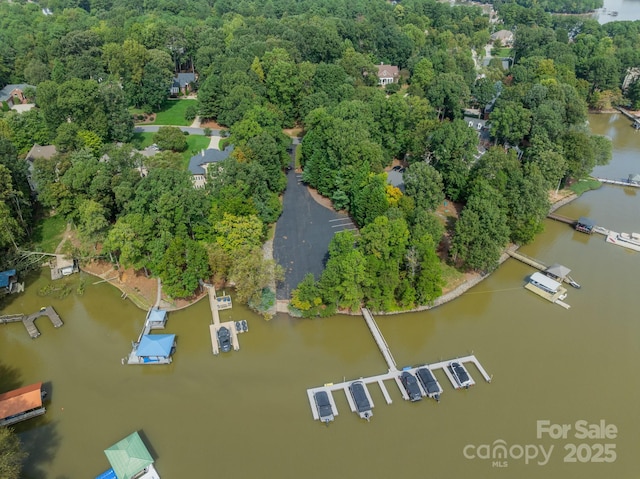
[(411, 385), (224, 339)]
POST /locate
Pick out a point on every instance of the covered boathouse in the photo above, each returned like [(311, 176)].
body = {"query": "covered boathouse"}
[(585, 225), (129, 459), (154, 349), (21, 404)]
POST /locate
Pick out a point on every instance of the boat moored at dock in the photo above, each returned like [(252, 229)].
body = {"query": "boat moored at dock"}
[(429, 383), (410, 383), (460, 374), (325, 411), (361, 399)]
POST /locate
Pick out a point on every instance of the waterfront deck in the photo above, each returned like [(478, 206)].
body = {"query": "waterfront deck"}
[(395, 377)]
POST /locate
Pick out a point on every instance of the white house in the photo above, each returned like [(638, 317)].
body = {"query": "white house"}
[(387, 74)]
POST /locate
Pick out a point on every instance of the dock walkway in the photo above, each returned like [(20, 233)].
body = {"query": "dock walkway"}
[(618, 182), (379, 338), (29, 321), (527, 260)]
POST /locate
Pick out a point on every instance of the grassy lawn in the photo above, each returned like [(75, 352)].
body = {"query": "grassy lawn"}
[(195, 144), (172, 113), (48, 233), (583, 185), (142, 140), (504, 52)]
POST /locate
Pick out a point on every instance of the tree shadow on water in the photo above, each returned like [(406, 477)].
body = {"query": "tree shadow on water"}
[(10, 378), (40, 440)]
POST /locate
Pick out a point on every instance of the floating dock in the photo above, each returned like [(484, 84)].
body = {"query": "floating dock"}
[(548, 289), (629, 241), (29, 321)]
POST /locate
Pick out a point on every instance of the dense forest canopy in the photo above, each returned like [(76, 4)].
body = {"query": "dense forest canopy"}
[(267, 65)]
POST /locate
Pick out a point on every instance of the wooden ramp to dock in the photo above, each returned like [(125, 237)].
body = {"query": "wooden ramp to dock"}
[(562, 219), (379, 338), (11, 318), (527, 260)]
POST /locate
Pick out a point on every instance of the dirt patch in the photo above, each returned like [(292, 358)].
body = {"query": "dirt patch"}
[(318, 198), (134, 284), (293, 132), (212, 124)]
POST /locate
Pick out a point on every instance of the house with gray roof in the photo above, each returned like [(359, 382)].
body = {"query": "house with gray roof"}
[(182, 83), (199, 164), (387, 74), (506, 37)]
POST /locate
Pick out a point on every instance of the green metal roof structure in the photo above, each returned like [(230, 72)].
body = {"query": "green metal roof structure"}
[(129, 456)]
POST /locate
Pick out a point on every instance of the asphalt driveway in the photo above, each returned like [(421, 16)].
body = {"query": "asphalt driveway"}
[(303, 233)]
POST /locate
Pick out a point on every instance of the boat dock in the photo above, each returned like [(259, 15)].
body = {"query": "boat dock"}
[(394, 376), (215, 325), (29, 321), (557, 271)]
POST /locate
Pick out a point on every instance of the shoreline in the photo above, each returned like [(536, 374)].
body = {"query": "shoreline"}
[(281, 306)]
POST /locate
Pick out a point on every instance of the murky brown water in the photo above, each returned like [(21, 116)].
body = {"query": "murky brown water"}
[(245, 414)]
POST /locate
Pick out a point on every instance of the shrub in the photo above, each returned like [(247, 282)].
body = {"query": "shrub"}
[(190, 112), (207, 131)]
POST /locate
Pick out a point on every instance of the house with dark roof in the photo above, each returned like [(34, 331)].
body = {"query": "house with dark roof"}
[(387, 74), (182, 83), (199, 164)]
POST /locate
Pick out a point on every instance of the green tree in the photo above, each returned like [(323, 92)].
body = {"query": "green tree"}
[(184, 263), (11, 454), (238, 233), (481, 233), (342, 279), (424, 184), (252, 273), (170, 138), (510, 122)]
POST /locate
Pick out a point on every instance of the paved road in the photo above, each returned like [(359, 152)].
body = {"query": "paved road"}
[(303, 233), (154, 129)]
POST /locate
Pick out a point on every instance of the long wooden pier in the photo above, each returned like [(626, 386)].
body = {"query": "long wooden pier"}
[(395, 377), (534, 263), (29, 321), (379, 338), (562, 219)]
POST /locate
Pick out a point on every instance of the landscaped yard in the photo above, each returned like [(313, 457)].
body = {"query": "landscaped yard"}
[(504, 53), (142, 139), (195, 143), (172, 113), (48, 233)]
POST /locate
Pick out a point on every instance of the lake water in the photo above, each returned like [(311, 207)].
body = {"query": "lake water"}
[(627, 10), (245, 414)]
